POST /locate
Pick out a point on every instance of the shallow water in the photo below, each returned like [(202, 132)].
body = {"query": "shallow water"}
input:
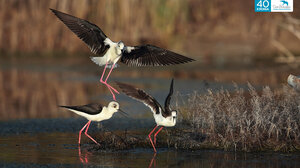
[(53, 143), (61, 150)]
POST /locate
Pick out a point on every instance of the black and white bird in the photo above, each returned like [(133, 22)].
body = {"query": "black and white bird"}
[(164, 117), (109, 52), (94, 112)]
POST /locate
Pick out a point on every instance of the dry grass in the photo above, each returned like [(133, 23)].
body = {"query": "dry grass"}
[(269, 120), (36, 95)]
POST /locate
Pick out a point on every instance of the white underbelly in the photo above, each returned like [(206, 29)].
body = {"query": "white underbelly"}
[(161, 121), (111, 55), (97, 117)]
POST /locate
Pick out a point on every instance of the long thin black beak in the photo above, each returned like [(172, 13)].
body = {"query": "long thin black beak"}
[(123, 113)]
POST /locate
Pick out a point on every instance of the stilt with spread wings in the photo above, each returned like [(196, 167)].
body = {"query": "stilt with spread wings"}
[(164, 117), (109, 52)]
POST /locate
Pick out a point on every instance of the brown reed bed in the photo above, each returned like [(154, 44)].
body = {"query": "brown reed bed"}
[(245, 120), (29, 26), (36, 95)]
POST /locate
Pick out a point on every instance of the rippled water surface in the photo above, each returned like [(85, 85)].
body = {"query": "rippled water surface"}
[(61, 150)]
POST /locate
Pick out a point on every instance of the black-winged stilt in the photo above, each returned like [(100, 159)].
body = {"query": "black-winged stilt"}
[(94, 112), (110, 52), (164, 117)]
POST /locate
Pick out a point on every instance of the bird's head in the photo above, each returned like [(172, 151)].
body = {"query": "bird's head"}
[(121, 45), (115, 107)]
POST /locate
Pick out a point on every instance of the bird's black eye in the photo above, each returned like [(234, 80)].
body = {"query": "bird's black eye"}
[(114, 106)]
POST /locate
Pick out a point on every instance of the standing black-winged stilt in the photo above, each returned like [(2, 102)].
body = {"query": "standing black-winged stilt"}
[(110, 52), (163, 117), (94, 112)]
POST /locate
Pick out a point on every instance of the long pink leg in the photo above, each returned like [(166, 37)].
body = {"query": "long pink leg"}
[(101, 79), (156, 134), (107, 78), (151, 139), (105, 82), (81, 131), (88, 134), (112, 93)]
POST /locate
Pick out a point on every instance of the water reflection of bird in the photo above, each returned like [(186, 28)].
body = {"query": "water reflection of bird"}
[(294, 81), (83, 158), (164, 117), (94, 112), (153, 160), (109, 52)]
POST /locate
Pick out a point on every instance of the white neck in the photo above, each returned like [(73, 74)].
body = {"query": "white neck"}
[(104, 115)]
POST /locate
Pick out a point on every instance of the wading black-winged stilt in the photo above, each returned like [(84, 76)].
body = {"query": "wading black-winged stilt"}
[(94, 112), (109, 52), (164, 117)]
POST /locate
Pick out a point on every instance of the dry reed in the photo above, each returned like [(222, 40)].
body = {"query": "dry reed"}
[(250, 121), (29, 26)]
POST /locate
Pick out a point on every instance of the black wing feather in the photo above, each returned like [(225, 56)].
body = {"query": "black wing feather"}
[(149, 55), (92, 109), (88, 32), (141, 96), (168, 99)]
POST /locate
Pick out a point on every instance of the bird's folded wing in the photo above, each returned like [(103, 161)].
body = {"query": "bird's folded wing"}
[(141, 96), (89, 108), (149, 55), (90, 33)]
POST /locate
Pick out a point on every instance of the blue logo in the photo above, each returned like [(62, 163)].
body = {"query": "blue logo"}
[(273, 5), (263, 5), (284, 2)]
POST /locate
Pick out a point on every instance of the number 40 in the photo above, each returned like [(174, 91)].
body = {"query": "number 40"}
[(262, 3)]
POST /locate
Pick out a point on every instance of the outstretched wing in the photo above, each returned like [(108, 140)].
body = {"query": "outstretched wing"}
[(149, 55), (141, 96), (92, 109), (168, 110), (88, 32)]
